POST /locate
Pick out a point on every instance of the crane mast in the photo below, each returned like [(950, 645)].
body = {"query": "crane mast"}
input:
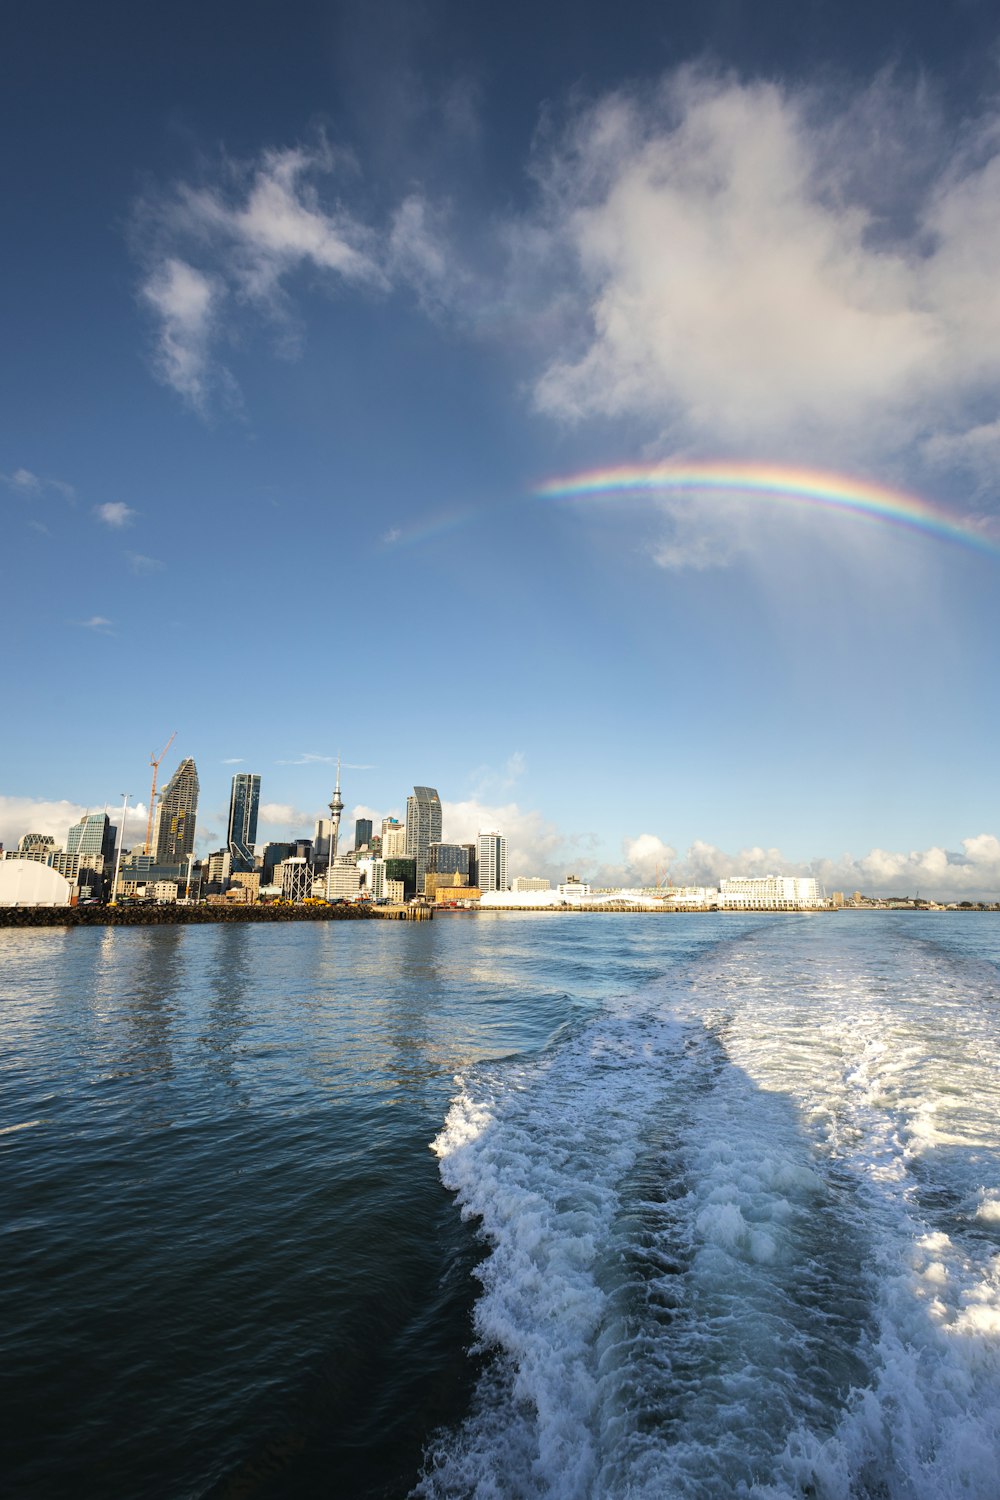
[(154, 761)]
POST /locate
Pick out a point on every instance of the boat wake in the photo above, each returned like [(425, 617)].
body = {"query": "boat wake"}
[(742, 1233)]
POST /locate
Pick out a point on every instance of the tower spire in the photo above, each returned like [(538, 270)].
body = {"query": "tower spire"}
[(336, 808)]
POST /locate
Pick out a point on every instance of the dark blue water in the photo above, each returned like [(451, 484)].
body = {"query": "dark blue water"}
[(731, 1198)]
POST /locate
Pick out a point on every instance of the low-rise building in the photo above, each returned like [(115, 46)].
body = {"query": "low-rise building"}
[(36, 846), (247, 881), (530, 883), (435, 881), (464, 894), (30, 882)]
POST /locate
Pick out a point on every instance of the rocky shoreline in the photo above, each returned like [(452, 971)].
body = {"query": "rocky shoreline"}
[(172, 915)]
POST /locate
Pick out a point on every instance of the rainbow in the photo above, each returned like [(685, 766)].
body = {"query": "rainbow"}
[(777, 485)]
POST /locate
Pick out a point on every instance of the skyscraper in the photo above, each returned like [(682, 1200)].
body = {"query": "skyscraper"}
[(243, 805), (492, 861), (94, 835), (423, 827), (175, 816), (362, 832)]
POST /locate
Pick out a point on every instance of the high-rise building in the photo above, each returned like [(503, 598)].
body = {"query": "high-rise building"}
[(243, 806), (175, 816), (272, 857), (393, 839), (93, 835), (423, 827), (220, 867), (362, 832), (321, 840), (492, 861), (447, 859), (473, 852)]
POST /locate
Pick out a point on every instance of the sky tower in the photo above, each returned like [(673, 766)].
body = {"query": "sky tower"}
[(336, 808)]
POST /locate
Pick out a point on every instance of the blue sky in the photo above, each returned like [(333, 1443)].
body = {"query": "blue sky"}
[(302, 304)]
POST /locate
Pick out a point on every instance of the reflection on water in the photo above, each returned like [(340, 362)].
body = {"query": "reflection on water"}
[(230, 1266), (227, 1243)]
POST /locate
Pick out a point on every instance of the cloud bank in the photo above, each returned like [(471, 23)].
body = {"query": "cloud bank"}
[(21, 815)]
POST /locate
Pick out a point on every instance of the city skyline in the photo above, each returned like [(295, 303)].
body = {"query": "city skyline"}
[(538, 851), (634, 378)]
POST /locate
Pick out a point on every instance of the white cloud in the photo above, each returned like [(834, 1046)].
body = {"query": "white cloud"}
[(760, 270), (213, 251), (233, 760), (487, 780), (21, 815), (647, 858), (534, 845), (23, 480), (309, 758), (115, 513), (971, 873), (185, 300), (140, 563), (418, 253), (284, 815), (362, 810), (98, 623), (26, 483)]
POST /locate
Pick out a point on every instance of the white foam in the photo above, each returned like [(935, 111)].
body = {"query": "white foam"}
[(728, 1249)]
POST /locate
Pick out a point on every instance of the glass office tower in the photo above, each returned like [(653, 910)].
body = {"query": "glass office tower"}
[(243, 806)]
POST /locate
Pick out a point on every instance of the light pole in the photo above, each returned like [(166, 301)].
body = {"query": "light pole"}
[(336, 808), (121, 845)]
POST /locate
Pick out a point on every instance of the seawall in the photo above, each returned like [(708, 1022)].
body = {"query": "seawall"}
[(174, 916)]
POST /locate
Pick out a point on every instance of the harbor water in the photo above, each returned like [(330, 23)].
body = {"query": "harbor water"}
[(503, 1206)]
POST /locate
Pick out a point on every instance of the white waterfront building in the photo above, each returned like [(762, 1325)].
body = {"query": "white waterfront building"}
[(573, 890), (769, 893), (524, 883)]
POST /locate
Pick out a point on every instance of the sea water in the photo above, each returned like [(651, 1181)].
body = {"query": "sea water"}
[(573, 1206)]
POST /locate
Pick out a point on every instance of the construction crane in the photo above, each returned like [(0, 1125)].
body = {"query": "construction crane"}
[(154, 761)]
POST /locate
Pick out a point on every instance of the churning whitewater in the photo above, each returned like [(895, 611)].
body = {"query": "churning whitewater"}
[(742, 1229)]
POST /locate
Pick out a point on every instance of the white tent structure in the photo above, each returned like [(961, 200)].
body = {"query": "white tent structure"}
[(25, 882)]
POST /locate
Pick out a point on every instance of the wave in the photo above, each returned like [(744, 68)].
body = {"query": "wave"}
[(742, 1230)]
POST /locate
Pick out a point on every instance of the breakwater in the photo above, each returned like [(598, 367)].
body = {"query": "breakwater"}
[(172, 915)]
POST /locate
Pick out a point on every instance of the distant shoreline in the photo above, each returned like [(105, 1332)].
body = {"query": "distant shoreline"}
[(170, 915)]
